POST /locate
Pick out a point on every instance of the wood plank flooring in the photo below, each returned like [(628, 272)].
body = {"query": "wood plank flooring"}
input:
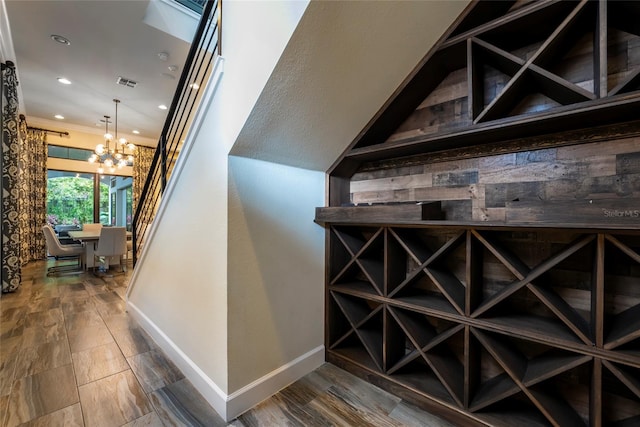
[(71, 356)]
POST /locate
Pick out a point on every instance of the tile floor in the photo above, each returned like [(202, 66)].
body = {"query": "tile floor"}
[(71, 356)]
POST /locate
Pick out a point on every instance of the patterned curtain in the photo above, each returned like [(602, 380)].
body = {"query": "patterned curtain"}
[(141, 166), (11, 268), (32, 193)]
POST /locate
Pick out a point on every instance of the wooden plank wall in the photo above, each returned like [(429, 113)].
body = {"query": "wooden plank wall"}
[(478, 189)]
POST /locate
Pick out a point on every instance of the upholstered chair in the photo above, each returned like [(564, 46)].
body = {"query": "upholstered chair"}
[(60, 251), (112, 243)]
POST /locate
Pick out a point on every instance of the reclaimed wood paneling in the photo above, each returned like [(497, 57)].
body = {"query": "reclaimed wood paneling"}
[(598, 211), (444, 193), (445, 108), (451, 179), (601, 170), (392, 183), (499, 194), (384, 196), (623, 55), (533, 103), (399, 171), (596, 149), (454, 86), (628, 163), (456, 165)]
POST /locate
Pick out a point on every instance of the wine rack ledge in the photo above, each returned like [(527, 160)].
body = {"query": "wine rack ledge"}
[(494, 326)]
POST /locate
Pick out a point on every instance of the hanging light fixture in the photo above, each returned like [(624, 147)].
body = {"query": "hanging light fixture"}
[(113, 153)]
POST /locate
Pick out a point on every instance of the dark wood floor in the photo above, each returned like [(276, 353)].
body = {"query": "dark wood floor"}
[(71, 356)]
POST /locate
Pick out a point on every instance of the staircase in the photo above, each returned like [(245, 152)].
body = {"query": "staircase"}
[(206, 46)]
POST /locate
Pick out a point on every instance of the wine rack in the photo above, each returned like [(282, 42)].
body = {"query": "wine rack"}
[(503, 325)]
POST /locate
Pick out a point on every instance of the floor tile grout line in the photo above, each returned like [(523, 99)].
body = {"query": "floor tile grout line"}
[(93, 301), (147, 395), (73, 367)]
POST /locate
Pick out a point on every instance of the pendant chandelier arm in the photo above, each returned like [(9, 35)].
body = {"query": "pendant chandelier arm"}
[(105, 156)]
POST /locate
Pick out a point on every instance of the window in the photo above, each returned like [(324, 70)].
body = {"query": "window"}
[(71, 199), (114, 203), (69, 153)]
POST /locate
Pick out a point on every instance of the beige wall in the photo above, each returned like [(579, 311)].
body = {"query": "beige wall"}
[(276, 267)]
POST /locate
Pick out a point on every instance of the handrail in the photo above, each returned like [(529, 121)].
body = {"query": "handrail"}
[(205, 47)]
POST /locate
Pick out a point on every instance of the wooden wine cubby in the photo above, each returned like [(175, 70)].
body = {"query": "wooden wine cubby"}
[(535, 325), (519, 306)]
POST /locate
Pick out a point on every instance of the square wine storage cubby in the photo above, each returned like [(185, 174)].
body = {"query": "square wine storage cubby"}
[(500, 325)]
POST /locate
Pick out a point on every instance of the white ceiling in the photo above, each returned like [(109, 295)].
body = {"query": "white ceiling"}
[(109, 38)]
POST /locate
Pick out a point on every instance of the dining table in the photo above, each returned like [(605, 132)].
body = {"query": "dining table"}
[(90, 240)]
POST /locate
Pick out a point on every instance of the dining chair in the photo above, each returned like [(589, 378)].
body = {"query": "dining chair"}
[(92, 227), (58, 250), (112, 243), (129, 249)]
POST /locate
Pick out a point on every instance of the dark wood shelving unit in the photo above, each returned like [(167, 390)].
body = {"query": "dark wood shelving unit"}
[(428, 340), (501, 286), (530, 47)]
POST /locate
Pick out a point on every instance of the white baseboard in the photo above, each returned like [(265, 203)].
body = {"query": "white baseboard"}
[(205, 385), (262, 388), (229, 406)]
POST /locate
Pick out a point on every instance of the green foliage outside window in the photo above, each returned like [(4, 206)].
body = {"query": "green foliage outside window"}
[(70, 200)]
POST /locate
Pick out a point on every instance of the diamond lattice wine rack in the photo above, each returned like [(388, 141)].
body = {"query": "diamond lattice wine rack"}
[(524, 325)]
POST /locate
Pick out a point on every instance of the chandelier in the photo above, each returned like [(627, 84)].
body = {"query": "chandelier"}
[(113, 153)]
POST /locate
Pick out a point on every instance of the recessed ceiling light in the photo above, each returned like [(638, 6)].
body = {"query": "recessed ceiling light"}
[(64, 81), (60, 39), (194, 86), (137, 132), (59, 116), (172, 68), (163, 56), (162, 107)]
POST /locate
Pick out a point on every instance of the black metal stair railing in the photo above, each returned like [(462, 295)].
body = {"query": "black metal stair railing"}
[(206, 46)]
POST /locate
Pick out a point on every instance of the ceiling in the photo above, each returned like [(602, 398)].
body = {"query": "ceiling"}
[(108, 39)]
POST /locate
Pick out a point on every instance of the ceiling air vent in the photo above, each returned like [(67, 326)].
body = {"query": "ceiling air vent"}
[(126, 82)]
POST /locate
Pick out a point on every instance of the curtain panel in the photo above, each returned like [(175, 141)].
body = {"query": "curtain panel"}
[(10, 256), (141, 166), (32, 193)]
